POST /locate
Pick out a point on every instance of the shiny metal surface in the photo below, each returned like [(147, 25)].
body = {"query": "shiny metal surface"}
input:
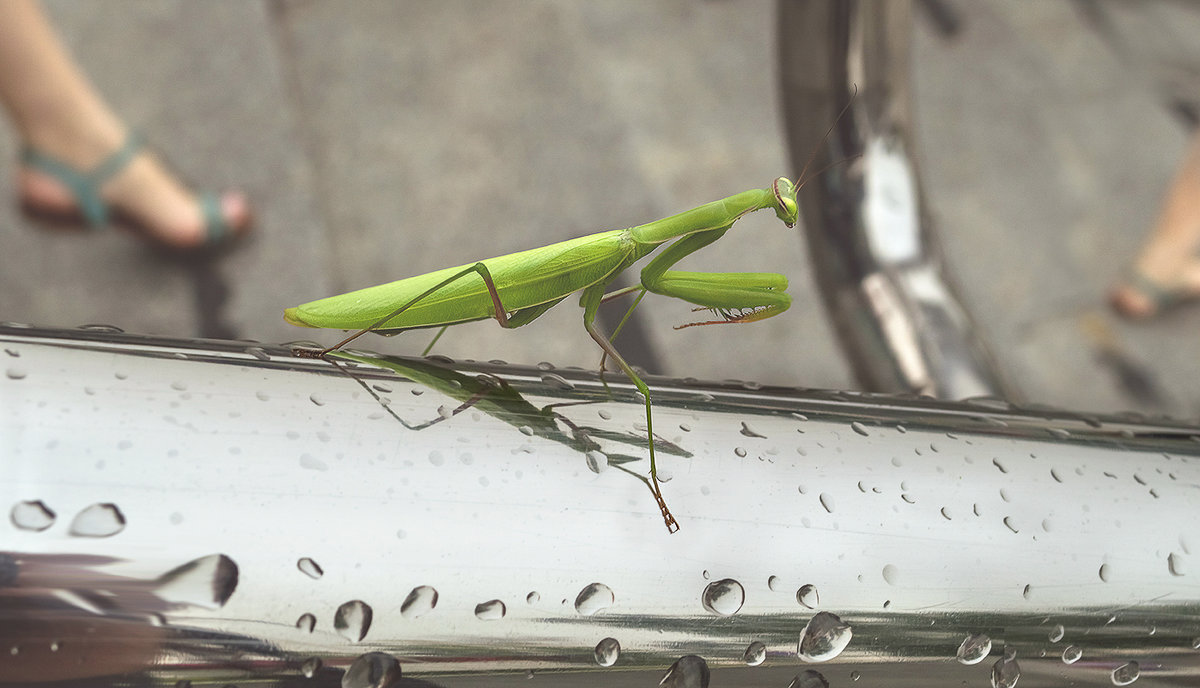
[(873, 249), (176, 510)]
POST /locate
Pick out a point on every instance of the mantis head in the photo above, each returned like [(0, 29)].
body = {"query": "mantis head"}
[(785, 201)]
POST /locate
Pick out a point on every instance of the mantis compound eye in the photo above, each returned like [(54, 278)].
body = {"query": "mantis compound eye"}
[(785, 201)]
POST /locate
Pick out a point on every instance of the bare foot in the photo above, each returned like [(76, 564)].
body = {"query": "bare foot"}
[(144, 192)]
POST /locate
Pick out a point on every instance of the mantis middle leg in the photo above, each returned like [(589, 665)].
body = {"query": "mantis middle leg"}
[(592, 296)]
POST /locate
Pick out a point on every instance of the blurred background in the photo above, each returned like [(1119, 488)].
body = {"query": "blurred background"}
[(378, 140)]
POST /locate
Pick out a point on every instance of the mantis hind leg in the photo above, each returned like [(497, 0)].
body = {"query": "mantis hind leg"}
[(590, 301)]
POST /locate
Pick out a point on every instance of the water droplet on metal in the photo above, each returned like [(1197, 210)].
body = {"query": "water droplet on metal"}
[(310, 568), (32, 515), (974, 649), (749, 432), (205, 582), (854, 675), (807, 596), (594, 598), (891, 574), (688, 671), (312, 463), (372, 670), (755, 654), (307, 622), (490, 610), (739, 452), (353, 619), (316, 399), (436, 458), (774, 583), (823, 638), (310, 667), (1125, 674), (15, 373), (724, 597), (607, 652), (1175, 564), (859, 428), (533, 597), (420, 600), (1057, 633), (1104, 572), (1005, 672), (827, 502), (98, 520), (258, 352), (13, 352), (1071, 654), (597, 461), (556, 381), (809, 679)]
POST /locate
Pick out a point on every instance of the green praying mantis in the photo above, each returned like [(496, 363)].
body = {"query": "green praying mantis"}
[(518, 288)]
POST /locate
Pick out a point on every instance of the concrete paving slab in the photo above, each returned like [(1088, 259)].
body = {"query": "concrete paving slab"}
[(380, 140), (1047, 154), (530, 123), (204, 83)]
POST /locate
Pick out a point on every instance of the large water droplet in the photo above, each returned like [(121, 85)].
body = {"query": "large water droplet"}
[(823, 638), (33, 515), (607, 652), (724, 597), (1125, 674), (420, 600), (974, 648), (807, 596), (859, 428), (774, 583), (1071, 654), (490, 610), (891, 574), (310, 568), (98, 520), (827, 502), (1005, 672), (1057, 633), (533, 597), (310, 667), (1104, 572), (306, 622), (353, 619), (15, 373), (809, 679), (372, 670), (205, 582), (594, 598), (688, 671), (755, 654)]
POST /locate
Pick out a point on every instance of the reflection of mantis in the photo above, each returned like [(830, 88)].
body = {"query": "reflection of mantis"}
[(517, 288), (499, 400)]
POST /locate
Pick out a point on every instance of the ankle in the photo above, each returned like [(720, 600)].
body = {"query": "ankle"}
[(77, 142)]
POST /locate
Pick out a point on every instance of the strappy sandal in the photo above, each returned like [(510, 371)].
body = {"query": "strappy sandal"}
[(1159, 297), (94, 212)]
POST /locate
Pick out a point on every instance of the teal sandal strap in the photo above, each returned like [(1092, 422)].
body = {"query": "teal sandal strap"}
[(85, 186), (215, 227)]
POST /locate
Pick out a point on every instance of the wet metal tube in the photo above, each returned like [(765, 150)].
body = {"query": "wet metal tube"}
[(872, 245), (221, 512)]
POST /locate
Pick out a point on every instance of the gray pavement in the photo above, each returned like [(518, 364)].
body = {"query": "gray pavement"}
[(384, 139)]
